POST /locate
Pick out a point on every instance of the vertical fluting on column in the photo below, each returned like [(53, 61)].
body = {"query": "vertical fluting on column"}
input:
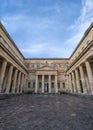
[(56, 87), (42, 83), (18, 85), (90, 75), (9, 79), (2, 74), (36, 85), (49, 83), (83, 79), (14, 81), (77, 81)]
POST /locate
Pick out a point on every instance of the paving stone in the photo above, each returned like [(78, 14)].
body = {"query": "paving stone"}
[(49, 112)]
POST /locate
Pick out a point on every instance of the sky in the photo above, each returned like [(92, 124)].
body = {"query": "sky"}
[(46, 28)]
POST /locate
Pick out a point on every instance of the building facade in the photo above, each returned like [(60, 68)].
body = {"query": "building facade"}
[(46, 75)]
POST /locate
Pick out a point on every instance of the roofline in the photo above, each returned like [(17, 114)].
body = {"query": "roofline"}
[(5, 31), (85, 34)]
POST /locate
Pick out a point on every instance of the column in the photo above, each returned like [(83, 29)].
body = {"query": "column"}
[(36, 85), (56, 87), (83, 79), (70, 83), (3, 69), (77, 81), (90, 75), (14, 81), (25, 83), (49, 83), (9, 79), (21, 89), (19, 78), (67, 86), (42, 83), (73, 81)]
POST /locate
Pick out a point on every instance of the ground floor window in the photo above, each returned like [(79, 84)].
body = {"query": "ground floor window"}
[(29, 84), (63, 85)]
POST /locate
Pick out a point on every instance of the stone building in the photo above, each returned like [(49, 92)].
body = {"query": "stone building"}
[(46, 75)]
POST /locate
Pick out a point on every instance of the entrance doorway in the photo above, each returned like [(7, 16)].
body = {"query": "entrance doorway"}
[(46, 86)]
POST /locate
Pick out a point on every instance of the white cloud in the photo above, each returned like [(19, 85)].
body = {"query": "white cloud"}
[(80, 24), (36, 27)]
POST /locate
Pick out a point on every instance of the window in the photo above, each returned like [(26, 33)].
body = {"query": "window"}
[(29, 84), (52, 85), (40, 84), (58, 85), (33, 84), (63, 85)]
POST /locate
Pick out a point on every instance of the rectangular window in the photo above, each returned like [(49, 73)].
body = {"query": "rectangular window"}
[(63, 85), (29, 84), (33, 84), (58, 85)]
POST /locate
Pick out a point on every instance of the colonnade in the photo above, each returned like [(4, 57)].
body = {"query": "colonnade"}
[(80, 79), (43, 84), (12, 80)]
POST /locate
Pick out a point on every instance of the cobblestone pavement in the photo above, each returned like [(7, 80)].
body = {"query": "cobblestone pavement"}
[(46, 112)]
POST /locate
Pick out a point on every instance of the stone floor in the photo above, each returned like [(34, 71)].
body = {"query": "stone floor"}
[(46, 112)]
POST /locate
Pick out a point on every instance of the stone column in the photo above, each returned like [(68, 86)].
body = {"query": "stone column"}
[(14, 81), (77, 81), (42, 83), (67, 84), (70, 83), (49, 83), (56, 87), (31, 84), (19, 78), (90, 75), (25, 83), (9, 79), (73, 81), (21, 89), (83, 79), (2, 74), (36, 85)]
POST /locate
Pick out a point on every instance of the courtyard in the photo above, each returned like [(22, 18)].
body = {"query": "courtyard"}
[(46, 112)]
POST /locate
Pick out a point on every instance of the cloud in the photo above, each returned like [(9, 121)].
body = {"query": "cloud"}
[(44, 50), (37, 36), (80, 24)]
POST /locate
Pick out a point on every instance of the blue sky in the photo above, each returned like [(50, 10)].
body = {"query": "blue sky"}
[(46, 28)]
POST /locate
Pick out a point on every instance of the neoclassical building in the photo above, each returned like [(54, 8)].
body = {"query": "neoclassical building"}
[(46, 75)]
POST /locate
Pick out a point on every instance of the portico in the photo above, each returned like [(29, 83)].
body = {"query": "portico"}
[(46, 81)]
